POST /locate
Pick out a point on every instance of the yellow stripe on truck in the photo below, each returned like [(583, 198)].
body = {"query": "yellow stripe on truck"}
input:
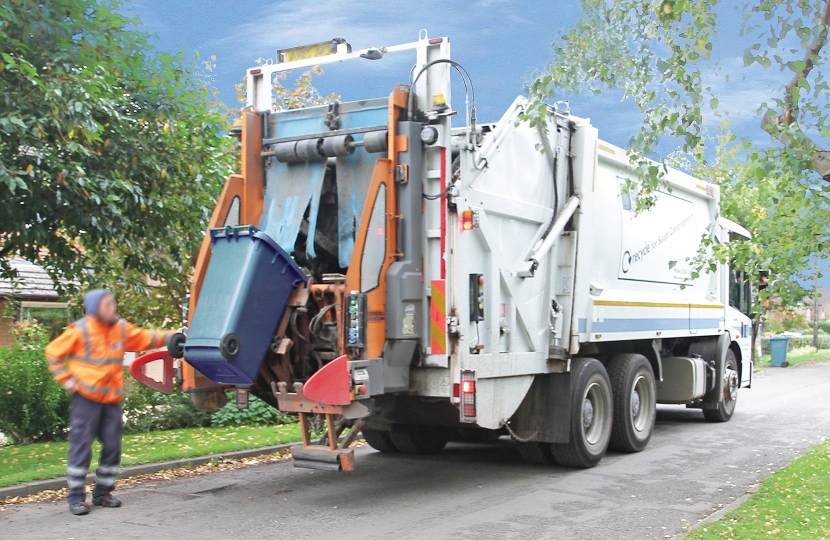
[(655, 304)]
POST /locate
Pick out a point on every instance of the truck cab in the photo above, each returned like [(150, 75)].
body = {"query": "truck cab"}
[(738, 301)]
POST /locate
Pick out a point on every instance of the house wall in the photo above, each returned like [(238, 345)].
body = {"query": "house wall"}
[(6, 325)]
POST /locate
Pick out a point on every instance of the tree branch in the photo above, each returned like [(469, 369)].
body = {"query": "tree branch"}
[(771, 123)]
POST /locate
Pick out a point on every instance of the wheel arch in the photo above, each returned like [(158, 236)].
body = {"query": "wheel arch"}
[(735, 347)]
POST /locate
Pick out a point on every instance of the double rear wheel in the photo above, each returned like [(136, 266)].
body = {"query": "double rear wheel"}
[(635, 402), (614, 407), (591, 416)]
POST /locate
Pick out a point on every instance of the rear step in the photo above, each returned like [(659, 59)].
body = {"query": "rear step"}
[(334, 453)]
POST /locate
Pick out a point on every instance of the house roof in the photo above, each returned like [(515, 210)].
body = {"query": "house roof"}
[(32, 282)]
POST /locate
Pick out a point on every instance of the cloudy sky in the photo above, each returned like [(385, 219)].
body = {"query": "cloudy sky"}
[(500, 42)]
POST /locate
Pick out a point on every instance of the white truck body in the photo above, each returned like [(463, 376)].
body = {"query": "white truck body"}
[(617, 275)]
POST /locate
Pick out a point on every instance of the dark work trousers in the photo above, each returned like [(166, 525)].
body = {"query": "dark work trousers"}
[(88, 420)]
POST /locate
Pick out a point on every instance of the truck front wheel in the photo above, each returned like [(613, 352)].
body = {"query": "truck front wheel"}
[(591, 416), (632, 380), (729, 397), (417, 439)]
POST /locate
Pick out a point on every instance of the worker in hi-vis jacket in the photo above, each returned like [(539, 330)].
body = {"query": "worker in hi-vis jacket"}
[(88, 360)]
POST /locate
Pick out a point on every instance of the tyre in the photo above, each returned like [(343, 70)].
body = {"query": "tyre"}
[(591, 416), (379, 440), (539, 453), (729, 397), (417, 439), (635, 403)]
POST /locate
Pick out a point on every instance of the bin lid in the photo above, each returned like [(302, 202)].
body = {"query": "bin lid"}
[(229, 232)]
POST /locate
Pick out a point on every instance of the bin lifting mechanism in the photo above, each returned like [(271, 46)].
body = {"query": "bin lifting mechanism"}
[(332, 384)]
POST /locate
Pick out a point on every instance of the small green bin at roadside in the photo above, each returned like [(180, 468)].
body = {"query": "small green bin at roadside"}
[(778, 351)]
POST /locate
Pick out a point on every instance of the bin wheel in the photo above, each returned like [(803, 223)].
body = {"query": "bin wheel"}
[(175, 345), (379, 440), (591, 415), (417, 439), (731, 382), (230, 345), (635, 405)]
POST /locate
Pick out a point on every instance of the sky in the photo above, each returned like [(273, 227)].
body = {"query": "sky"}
[(501, 43)]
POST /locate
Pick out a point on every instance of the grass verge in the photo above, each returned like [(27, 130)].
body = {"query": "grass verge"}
[(798, 356), (41, 461), (792, 503)]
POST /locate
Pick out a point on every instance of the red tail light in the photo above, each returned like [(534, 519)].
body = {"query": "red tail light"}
[(467, 222), (468, 396)]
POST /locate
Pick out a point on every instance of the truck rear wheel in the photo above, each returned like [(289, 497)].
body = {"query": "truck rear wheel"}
[(591, 415), (417, 439), (379, 440), (635, 404), (729, 398)]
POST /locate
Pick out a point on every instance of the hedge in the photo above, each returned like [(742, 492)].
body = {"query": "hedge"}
[(798, 343)]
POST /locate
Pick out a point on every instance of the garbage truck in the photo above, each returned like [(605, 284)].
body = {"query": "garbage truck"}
[(383, 272)]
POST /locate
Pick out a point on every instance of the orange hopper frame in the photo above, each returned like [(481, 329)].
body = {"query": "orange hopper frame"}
[(248, 187)]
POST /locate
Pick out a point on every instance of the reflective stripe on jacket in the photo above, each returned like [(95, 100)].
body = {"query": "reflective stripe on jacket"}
[(93, 353)]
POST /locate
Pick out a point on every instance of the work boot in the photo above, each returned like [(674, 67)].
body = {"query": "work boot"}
[(107, 500), (79, 508)]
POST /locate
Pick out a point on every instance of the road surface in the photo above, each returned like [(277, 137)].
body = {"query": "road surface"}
[(690, 469)]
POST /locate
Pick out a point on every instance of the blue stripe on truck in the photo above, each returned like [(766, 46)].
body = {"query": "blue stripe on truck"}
[(644, 325)]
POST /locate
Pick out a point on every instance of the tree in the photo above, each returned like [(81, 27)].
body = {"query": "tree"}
[(658, 54), (112, 154)]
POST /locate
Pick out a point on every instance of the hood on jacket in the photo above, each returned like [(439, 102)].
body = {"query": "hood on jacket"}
[(92, 300)]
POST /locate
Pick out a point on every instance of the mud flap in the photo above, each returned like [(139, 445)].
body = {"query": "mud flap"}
[(545, 413)]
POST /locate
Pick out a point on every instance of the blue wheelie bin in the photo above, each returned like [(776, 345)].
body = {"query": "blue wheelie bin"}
[(778, 350), (243, 296)]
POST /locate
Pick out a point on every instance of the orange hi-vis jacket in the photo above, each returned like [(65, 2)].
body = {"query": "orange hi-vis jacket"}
[(93, 353)]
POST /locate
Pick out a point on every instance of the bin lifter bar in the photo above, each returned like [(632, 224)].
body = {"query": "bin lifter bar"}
[(259, 78), (336, 455)]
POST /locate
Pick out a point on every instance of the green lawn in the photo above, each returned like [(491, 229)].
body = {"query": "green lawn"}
[(798, 356), (792, 503), (25, 463)]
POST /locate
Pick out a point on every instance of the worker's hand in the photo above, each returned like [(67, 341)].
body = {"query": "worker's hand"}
[(71, 385)]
